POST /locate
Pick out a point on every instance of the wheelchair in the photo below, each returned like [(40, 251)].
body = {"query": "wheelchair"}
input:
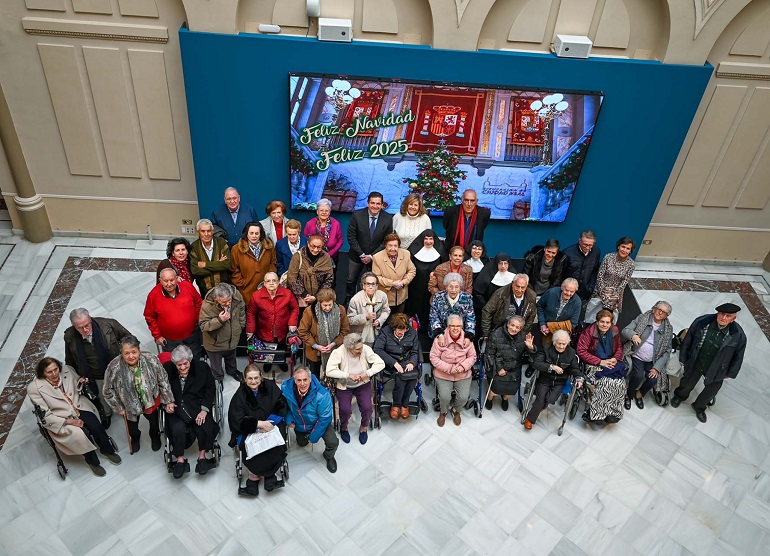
[(282, 474), (330, 385), (268, 353), (383, 406), (216, 452), (569, 398)]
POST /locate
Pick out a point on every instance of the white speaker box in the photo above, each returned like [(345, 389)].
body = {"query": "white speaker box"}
[(339, 30), (572, 46)]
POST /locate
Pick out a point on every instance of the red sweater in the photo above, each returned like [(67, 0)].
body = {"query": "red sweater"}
[(173, 318), (271, 318), (588, 342)]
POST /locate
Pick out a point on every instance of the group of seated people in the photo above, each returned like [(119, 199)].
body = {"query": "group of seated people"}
[(269, 282)]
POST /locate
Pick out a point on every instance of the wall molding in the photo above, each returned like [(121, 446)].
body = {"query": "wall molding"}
[(738, 70), (119, 199), (51, 27), (703, 227)]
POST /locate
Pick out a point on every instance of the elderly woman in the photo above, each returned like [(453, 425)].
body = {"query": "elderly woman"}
[(556, 362), (286, 248), (507, 350), (352, 365), (221, 320), (427, 254), (177, 257), (452, 301), (70, 417), (275, 222), (600, 347), (650, 336), (252, 257), (326, 227), (322, 328), (258, 406), (368, 310), (189, 417), (394, 270), (454, 264), (452, 359), (614, 272), (399, 348), (272, 313), (545, 267), (310, 271), (135, 383), (411, 220)]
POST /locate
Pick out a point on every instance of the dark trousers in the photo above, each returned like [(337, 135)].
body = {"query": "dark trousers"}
[(330, 440), (93, 428), (397, 308), (688, 383), (638, 378), (315, 368), (215, 360), (183, 434), (402, 391), (135, 433), (363, 396), (546, 393), (194, 341), (355, 268)]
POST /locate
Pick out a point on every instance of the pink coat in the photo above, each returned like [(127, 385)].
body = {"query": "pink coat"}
[(453, 353), (335, 242)]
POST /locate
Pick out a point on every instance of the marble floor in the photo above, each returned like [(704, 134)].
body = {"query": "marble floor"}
[(658, 482)]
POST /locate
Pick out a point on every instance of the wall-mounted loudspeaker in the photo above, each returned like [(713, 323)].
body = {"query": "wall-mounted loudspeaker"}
[(313, 8), (339, 30), (571, 46)]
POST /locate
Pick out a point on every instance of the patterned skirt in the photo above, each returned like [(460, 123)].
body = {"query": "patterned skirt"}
[(607, 395)]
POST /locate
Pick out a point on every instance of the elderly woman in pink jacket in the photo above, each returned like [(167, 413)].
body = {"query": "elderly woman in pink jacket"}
[(452, 357)]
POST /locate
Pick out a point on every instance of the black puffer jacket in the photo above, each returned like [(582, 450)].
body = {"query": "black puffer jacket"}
[(506, 352), (532, 268), (392, 350)]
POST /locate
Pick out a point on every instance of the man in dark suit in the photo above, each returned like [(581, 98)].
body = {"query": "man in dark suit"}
[(89, 346), (232, 216), (465, 222), (366, 233)]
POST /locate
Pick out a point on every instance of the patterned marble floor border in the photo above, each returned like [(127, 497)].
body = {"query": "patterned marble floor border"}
[(37, 344), (744, 289)]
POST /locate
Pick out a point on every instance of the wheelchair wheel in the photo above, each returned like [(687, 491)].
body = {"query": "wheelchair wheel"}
[(113, 444), (428, 380), (436, 404), (285, 470), (711, 403), (575, 405), (62, 470), (424, 405), (661, 398)]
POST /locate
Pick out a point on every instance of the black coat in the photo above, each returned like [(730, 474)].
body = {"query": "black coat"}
[(199, 389), (452, 217), (547, 356), (111, 331), (507, 352), (728, 360), (358, 233), (392, 350), (533, 263), (583, 268), (246, 409)]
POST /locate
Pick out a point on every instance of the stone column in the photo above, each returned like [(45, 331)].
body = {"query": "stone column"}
[(30, 208)]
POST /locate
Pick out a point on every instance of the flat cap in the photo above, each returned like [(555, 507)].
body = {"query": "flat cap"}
[(728, 308)]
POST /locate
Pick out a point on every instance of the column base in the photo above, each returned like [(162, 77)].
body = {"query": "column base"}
[(33, 217)]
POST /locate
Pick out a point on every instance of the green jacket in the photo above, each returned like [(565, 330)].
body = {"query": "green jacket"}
[(215, 271)]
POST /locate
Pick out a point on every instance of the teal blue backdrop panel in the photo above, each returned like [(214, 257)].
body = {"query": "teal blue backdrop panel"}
[(238, 105)]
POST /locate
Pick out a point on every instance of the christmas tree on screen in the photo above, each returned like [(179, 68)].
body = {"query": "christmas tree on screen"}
[(438, 178)]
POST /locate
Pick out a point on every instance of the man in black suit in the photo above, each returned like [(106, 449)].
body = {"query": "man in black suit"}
[(366, 233), (465, 222)]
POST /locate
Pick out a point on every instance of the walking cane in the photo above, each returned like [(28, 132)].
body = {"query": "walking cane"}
[(128, 435)]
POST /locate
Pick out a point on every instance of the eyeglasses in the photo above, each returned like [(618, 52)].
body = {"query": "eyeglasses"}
[(370, 283), (659, 310)]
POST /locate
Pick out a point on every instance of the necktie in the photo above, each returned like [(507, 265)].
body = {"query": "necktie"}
[(372, 226)]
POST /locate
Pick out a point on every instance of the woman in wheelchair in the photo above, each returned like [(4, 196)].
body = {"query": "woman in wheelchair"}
[(600, 347), (399, 346), (189, 417), (258, 405), (507, 350), (556, 362), (70, 417)]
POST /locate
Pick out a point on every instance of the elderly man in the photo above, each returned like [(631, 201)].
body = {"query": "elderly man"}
[(310, 413), (366, 235), (505, 303), (467, 221), (209, 258), (189, 417), (233, 215), (171, 312), (222, 319), (582, 264), (559, 309), (89, 346), (713, 349)]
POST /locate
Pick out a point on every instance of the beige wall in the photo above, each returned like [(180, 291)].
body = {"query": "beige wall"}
[(96, 94)]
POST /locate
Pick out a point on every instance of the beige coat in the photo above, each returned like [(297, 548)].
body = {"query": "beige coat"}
[(69, 439), (218, 335), (337, 366), (387, 274)]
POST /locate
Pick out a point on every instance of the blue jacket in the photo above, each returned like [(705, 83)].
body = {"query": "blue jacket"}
[(548, 305), (315, 415), (221, 217), (283, 253)]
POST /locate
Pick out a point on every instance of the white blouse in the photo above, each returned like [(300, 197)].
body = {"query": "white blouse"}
[(409, 227)]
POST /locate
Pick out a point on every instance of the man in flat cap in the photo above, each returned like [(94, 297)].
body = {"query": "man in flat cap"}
[(713, 349)]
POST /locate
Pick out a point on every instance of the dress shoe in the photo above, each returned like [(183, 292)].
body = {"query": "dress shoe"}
[(394, 412), (345, 436), (456, 419), (441, 419), (504, 404), (488, 404), (331, 465), (627, 403), (700, 414), (675, 401), (611, 419), (237, 375), (363, 436), (252, 488), (405, 412), (114, 458), (302, 441), (156, 444), (97, 470), (527, 424), (639, 403), (180, 468)]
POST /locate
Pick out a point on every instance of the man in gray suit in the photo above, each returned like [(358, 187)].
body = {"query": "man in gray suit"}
[(366, 233)]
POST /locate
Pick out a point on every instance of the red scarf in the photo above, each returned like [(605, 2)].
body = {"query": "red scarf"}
[(181, 268), (460, 233)]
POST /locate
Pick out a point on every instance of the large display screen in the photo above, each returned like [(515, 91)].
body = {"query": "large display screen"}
[(521, 150)]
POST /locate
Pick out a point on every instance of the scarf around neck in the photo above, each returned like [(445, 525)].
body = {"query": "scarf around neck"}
[(181, 267), (328, 328)]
